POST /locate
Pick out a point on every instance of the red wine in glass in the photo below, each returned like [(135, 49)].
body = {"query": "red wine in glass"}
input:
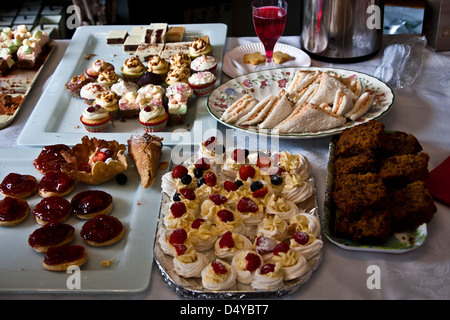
[(269, 21)]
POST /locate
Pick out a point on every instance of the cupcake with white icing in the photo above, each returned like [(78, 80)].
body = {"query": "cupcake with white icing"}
[(95, 119)]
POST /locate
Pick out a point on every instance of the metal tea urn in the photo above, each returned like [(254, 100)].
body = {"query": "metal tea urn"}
[(342, 30)]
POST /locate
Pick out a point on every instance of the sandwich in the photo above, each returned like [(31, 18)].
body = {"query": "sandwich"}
[(310, 118), (362, 105), (326, 92), (239, 109), (279, 111), (342, 103)]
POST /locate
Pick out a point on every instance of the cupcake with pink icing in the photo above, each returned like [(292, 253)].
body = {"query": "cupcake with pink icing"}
[(204, 63), (178, 94), (128, 105), (202, 82), (90, 91)]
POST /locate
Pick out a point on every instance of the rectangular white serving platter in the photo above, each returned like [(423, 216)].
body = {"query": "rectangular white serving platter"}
[(56, 116), (137, 208)]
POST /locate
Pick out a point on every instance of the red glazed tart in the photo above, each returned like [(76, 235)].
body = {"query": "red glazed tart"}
[(13, 211), (62, 257), (103, 230), (17, 185), (88, 204), (53, 208), (50, 158), (53, 234), (55, 183)]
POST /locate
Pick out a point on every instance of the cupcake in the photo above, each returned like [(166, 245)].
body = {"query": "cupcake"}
[(180, 59), (178, 94), (199, 47), (179, 74), (153, 118), (204, 63), (132, 69), (75, 84), (95, 119), (202, 82), (90, 91), (110, 101), (158, 66), (107, 78), (149, 78), (97, 67), (128, 105), (150, 94)]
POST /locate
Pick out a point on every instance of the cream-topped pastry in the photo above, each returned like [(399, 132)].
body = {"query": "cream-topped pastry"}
[(246, 263), (211, 205), (273, 226), (180, 59), (234, 160), (294, 163), (213, 150), (293, 265), (178, 216), (218, 275), (251, 212), (230, 244), (268, 278), (284, 208), (305, 244), (234, 192), (295, 189), (169, 239), (306, 222), (189, 263), (227, 220), (264, 246), (203, 234)]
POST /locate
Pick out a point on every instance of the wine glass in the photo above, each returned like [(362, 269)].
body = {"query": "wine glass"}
[(269, 19)]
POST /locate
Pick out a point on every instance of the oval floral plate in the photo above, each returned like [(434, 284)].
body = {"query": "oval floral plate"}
[(263, 83)]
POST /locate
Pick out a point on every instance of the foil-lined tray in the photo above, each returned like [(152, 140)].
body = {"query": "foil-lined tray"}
[(193, 287)]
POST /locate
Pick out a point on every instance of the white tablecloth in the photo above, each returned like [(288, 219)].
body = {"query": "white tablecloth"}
[(422, 109)]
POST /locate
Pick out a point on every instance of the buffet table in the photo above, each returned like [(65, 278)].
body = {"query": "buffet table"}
[(421, 109)]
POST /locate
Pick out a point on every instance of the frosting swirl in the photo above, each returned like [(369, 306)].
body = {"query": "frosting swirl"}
[(199, 47), (133, 65), (180, 59), (107, 77), (157, 65), (95, 113), (178, 74), (150, 112)]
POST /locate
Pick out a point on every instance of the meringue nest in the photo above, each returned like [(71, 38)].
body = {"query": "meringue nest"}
[(80, 156)]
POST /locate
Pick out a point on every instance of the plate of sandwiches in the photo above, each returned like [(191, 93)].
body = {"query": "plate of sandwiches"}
[(300, 103)]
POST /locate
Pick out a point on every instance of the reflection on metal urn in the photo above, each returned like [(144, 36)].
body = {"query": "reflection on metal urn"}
[(342, 30)]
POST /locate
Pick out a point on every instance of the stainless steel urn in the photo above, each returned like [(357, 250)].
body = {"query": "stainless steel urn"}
[(342, 30)]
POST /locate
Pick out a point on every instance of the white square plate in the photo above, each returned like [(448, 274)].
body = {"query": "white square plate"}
[(56, 116)]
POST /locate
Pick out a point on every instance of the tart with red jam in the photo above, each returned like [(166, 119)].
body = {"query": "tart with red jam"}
[(13, 211), (18, 185), (55, 183), (102, 231), (95, 161), (50, 158), (90, 203), (62, 257), (53, 234), (54, 208)]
